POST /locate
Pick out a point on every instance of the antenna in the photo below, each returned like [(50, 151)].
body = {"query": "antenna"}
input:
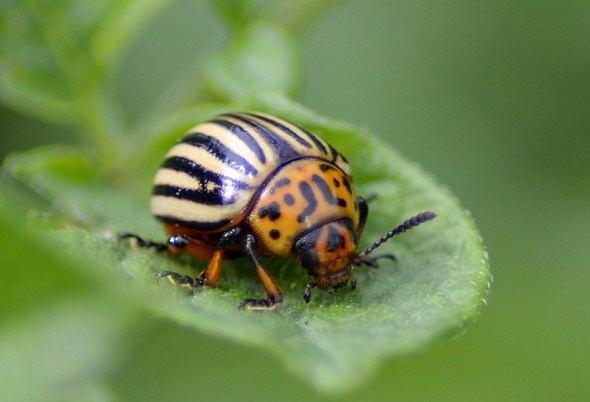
[(409, 224)]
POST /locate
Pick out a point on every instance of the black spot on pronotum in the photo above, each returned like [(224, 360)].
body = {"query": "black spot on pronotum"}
[(324, 188), (272, 211), (325, 167), (327, 192), (289, 199), (283, 181), (274, 234), (347, 184), (312, 203), (336, 183)]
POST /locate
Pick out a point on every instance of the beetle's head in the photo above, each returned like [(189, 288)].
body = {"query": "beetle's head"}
[(327, 253)]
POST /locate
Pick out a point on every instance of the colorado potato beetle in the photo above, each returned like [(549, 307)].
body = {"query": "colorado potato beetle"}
[(253, 184)]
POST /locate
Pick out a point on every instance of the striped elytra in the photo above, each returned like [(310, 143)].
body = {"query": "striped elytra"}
[(253, 184), (214, 172)]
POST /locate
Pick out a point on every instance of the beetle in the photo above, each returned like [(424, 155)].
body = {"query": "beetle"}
[(248, 183)]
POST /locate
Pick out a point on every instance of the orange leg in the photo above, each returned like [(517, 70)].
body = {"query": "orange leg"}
[(210, 276), (178, 243), (273, 291)]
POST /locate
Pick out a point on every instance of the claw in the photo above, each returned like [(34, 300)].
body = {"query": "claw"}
[(258, 304), (181, 280)]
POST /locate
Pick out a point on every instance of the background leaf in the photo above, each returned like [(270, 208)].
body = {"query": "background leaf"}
[(57, 63), (289, 13), (261, 57), (487, 96)]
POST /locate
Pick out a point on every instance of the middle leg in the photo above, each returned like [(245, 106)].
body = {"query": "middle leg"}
[(274, 294)]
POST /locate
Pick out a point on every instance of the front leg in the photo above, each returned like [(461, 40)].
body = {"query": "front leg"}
[(140, 242), (174, 245), (273, 291)]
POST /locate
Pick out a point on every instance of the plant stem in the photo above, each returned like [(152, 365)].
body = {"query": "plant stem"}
[(96, 115)]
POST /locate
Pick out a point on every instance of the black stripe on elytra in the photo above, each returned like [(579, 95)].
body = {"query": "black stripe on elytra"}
[(220, 196), (336, 153), (309, 196), (283, 128), (335, 239), (243, 135), (214, 147), (285, 151), (202, 226), (327, 193), (204, 176), (318, 143)]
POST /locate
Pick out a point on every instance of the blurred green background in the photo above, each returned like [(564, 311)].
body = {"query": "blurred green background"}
[(490, 97)]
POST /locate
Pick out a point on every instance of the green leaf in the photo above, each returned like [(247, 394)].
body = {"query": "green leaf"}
[(261, 56), (60, 337), (338, 340), (287, 13), (53, 54), (32, 79), (236, 12)]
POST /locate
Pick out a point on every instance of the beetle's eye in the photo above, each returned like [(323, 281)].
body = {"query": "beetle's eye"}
[(178, 241)]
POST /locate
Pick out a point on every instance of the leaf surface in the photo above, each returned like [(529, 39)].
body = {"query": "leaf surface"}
[(336, 342)]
